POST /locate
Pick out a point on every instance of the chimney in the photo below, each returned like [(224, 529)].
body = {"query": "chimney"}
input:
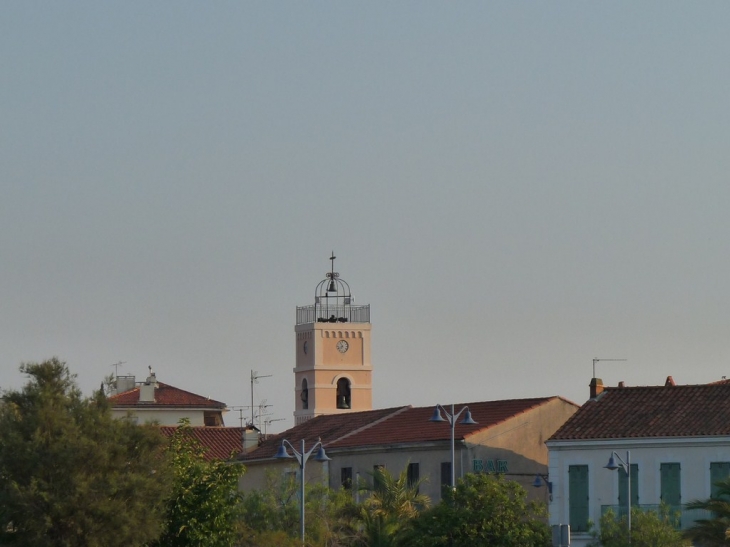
[(250, 439), (669, 382), (596, 386), (622, 384), (147, 390)]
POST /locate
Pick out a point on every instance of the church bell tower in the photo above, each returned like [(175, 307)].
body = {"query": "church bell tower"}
[(333, 374)]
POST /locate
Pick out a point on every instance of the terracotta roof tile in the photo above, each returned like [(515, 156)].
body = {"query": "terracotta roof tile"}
[(328, 428), (652, 411), (165, 395), (393, 426), (414, 425), (220, 443)]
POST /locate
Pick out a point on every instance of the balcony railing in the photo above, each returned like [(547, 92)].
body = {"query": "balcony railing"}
[(682, 517), (320, 313)]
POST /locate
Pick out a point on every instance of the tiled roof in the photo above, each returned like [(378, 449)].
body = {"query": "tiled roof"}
[(394, 426), (652, 411), (165, 395), (328, 428), (413, 425), (220, 442)]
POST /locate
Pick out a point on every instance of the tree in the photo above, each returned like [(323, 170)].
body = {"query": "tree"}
[(270, 517), (483, 510), (204, 507), (70, 474), (393, 502), (714, 531), (648, 529)]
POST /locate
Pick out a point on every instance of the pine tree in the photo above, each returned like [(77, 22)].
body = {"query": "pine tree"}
[(70, 474)]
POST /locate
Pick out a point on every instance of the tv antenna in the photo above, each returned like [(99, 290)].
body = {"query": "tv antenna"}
[(267, 422), (254, 377), (116, 367), (595, 360)]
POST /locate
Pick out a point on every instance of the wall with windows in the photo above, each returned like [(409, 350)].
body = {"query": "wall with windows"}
[(674, 471)]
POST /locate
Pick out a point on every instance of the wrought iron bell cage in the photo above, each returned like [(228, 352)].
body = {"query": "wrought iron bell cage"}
[(332, 299), (333, 303)]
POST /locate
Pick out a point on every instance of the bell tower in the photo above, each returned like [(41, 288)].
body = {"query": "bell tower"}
[(333, 373)]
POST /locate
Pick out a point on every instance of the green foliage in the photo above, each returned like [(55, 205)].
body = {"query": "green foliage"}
[(271, 516), (648, 529), (275, 508), (204, 506), (390, 507), (714, 532), (483, 510), (71, 475)]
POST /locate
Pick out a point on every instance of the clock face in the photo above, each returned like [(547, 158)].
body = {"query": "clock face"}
[(304, 347), (342, 346)]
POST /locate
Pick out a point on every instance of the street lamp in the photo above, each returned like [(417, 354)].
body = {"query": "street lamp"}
[(451, 418), (538, 483), (302, 458), (626, 466)]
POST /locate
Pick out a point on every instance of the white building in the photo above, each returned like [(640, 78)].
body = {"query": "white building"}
[(677, 439), (153, 401)]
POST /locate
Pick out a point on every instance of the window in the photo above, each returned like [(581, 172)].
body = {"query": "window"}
[(623, 485), (211, 419), (378, 480), (343, 393), (413, 474), (718, 471), (670, 477), (578, 497), (445, 474), (346, 477), (305, 395)]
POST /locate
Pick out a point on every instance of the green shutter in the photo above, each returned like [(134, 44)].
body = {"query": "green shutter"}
[(718, 471), (578, 497), (623, 484), (670, 484)]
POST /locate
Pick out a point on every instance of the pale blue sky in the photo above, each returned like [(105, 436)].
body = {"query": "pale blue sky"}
[(515, 188)]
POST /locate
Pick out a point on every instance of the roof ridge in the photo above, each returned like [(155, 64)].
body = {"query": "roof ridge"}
[(398, 410), (162, 384)]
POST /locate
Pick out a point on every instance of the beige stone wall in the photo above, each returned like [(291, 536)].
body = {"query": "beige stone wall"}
[(322, 365), (255, 477), (518, 444)]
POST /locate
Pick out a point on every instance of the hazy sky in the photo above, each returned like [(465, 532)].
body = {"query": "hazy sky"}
[(514, 187)]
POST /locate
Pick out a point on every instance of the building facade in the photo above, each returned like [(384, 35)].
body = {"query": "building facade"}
[(153, 401), (508, 438), (676, 439)]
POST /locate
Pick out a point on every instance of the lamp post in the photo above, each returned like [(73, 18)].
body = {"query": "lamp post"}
[(626, 466), (538, 483), (302, 458), (451, 418)]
